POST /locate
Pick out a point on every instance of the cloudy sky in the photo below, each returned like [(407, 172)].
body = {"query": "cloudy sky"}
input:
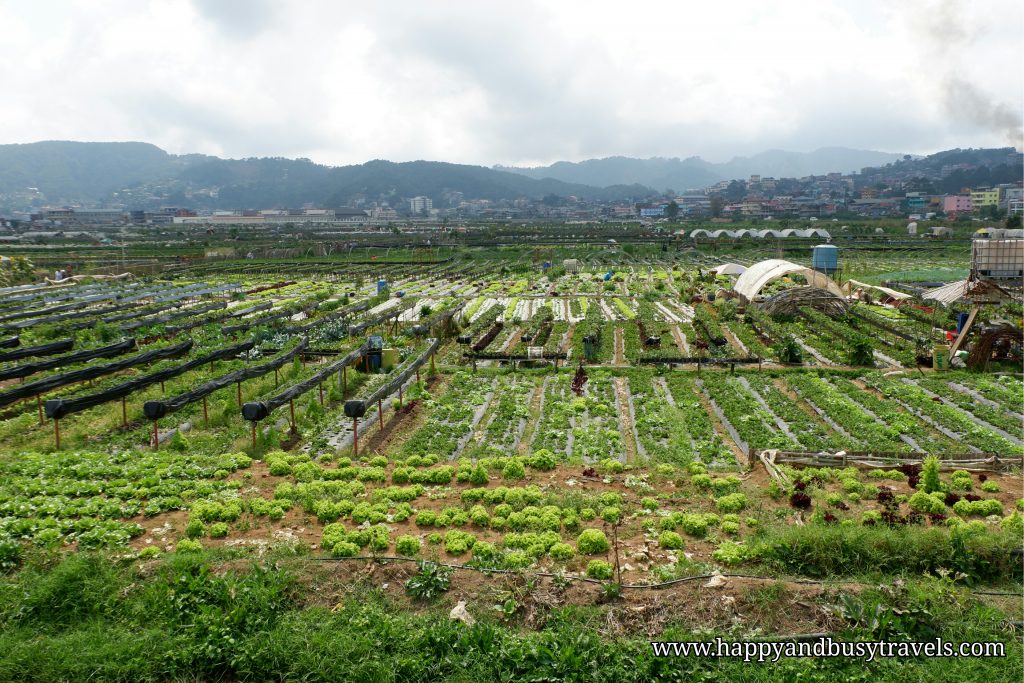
[(488, 82)]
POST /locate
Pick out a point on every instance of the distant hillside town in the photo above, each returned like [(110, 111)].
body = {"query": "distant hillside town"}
[(983, 183)]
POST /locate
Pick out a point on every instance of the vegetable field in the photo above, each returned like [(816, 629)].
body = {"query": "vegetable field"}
[(559, 439)]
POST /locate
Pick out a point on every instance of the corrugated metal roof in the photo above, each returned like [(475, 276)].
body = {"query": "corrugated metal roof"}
[(947, 294)]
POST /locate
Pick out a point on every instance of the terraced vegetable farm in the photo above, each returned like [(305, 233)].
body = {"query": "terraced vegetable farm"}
[(606, 431)]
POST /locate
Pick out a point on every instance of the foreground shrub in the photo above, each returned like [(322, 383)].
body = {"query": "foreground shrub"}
[(924, 502), (734, 502), (562, 551), (542, 460), (982, 508), (592, 542), (731, 553), (930, 475), (837, 550), (599, 569), (408, 546), (670, 540)]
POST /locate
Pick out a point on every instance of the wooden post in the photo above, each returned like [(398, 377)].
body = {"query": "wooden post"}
[(355, 436), (344, 382), (417, 375), (615, 540), (254, 436), (380, 413), (275, 378), (291, 406), (206, 413), (433, 370), (321, 387), (161, 386), (39, 404), (156, 436), (124, 411), (56, 433), (238, 388)]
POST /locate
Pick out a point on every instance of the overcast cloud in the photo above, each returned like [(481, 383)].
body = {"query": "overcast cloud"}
[(512, 82)]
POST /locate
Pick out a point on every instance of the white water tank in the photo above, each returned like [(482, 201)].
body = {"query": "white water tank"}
[(997, 259), (912, 228)]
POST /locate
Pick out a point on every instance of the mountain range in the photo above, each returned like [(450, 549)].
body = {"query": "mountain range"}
[(695, 173), (141, 175)]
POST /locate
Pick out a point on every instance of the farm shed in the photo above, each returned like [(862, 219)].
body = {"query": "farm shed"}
[(760, 274)]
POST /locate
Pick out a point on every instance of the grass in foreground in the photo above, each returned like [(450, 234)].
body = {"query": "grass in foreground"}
[(86, 616)]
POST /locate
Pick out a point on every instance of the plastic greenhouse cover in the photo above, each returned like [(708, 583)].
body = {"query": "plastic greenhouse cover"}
[(236, 313), (157, 409), (79, 292), (46, 384), (256, 322), (258, 410), (38, 312), (335, 315), (356, 330), (43, 350), (27, 369), (32, 322), (10, 342), (357, 408), (135, 311), (182, 295), (59, 407), (424, 327), (161, 319)]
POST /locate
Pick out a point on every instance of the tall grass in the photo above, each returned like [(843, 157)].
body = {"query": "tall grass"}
[(836, 550), (87, 618)]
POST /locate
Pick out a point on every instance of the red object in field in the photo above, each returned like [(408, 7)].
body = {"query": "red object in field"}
[(578, 380), (950, 336)]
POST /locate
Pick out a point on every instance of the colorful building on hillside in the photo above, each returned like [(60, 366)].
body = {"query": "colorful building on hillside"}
[(984, 197), (957, 203)]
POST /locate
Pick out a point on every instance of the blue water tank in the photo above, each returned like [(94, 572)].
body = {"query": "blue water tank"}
[(381, 285), (608, 276), (825, 258)]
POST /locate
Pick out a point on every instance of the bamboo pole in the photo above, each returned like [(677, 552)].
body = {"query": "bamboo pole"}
[(355, 436)]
